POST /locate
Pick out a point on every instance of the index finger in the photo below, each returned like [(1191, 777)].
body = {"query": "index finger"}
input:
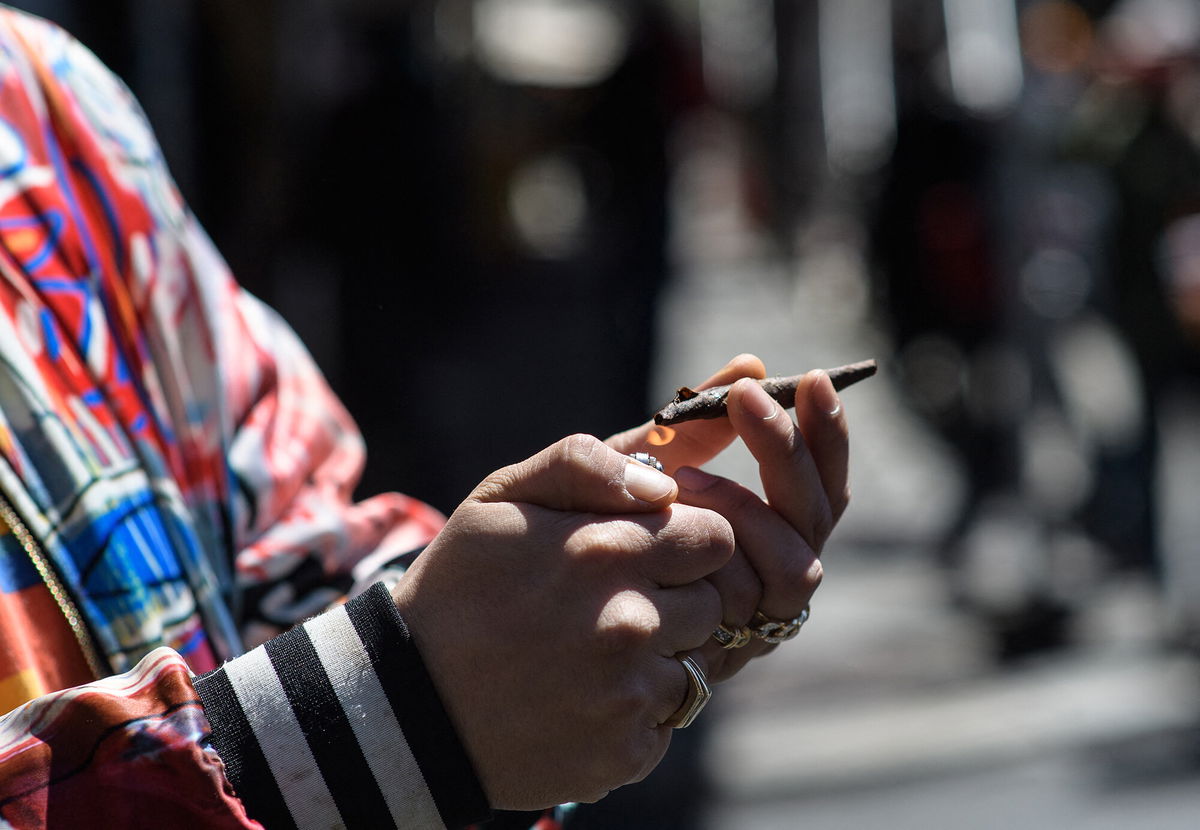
[(694, 443)]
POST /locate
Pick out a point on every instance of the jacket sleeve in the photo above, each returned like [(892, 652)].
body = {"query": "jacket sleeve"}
[(336, 723)]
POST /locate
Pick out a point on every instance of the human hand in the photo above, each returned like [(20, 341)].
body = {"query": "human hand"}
[(549, 612), (803, 468)]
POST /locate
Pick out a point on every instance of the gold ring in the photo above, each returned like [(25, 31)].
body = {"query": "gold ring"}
[(731, 637), (776, 631), (698, 695)]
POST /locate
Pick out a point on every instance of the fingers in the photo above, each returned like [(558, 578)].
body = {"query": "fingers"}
[(671, 621), (695, 442), (740, 588), (666, 549), (567, 583), (689, 615), (793, 477), (580, 473), (575, 641), (784, 571)]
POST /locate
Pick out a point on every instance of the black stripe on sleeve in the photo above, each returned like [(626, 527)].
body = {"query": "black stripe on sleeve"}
[(426, 725), (245, 765), (326, 728)]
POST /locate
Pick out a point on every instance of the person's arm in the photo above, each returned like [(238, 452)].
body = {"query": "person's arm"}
[(210, 351), (549, 611)]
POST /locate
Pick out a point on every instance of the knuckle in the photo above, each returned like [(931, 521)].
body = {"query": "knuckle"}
[(741, 595), (586, 456), (470, 517), (718, 533), (815, 575), (580, 450), (606, 538), (800, 574), (685, 528), (626, 622), (790, 572), (627, 697), (496, 484), (703, 531)]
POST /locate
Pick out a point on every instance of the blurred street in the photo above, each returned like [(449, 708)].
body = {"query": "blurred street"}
[(888, 710)]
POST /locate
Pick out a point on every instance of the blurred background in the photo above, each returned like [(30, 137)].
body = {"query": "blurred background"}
[(499, 221)]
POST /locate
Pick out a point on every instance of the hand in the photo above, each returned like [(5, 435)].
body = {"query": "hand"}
[(803, 468), (549, 611)]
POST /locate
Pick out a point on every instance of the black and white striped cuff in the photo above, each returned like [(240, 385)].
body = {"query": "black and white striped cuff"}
[(337, 724)]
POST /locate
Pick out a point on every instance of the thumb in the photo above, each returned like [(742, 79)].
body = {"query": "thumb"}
[(580, 473)]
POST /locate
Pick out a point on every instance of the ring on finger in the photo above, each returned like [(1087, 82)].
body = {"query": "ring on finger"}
[(774, 631), (731, 637), (697, 698)]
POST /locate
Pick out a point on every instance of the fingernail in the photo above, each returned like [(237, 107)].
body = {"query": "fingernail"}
[(647, 483), (758, 403), (694, 480), (825, 396)]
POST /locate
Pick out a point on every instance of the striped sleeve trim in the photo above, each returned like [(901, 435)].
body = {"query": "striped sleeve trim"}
[(337, 723)]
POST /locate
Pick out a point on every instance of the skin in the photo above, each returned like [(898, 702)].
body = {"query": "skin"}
[(551, 608)]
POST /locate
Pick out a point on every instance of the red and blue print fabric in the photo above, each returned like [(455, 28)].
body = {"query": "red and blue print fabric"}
[(178, 469)]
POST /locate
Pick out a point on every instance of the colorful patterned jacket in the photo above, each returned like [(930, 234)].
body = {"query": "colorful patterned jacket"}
[(175, 476)]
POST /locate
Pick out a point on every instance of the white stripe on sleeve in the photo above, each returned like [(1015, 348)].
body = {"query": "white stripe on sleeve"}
[(278, 733), (379, 735)]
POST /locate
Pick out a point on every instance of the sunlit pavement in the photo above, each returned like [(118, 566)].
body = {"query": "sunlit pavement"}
[(888, 711)]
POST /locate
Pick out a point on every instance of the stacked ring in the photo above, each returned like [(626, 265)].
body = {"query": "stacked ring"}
[(765, 628), (776, 631), (731, 637)]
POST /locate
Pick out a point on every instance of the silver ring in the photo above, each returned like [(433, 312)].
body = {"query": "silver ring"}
[(647, 459), (698, 695)]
